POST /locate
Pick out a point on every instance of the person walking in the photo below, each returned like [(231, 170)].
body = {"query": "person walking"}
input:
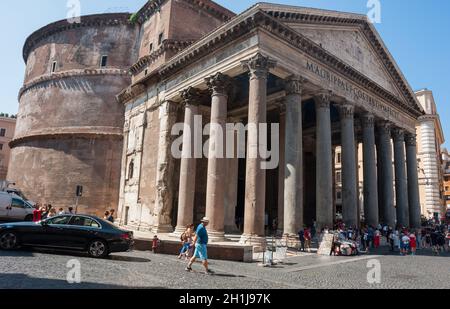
[(61, 212), (404, 244), (376, 239), (185, 243), (301, 238), (201, 247), (37, 214), (307, 235), (111, 216)]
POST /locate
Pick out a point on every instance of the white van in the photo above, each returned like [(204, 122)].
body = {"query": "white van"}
[(14, 208)]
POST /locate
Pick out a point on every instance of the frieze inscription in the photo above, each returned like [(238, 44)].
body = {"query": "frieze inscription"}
[(356, 93)]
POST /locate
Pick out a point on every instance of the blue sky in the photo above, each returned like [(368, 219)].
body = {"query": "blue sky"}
[(417, 33)]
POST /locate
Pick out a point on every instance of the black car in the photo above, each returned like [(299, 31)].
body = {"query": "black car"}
[(89, 234)]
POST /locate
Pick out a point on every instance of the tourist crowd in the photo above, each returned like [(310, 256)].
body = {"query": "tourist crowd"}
[(403, 240)]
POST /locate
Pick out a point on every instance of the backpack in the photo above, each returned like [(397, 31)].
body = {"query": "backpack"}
[(183, 237)]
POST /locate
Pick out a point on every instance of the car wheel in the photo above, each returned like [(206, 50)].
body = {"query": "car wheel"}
[(9, 241), (29, 218), (98, 249)]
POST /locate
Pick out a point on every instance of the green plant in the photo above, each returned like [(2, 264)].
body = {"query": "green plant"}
[(133, 18)]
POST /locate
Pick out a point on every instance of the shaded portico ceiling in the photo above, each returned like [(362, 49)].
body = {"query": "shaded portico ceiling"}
[(281, 20)]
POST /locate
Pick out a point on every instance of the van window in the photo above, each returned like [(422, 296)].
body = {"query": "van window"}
[(16, 203)]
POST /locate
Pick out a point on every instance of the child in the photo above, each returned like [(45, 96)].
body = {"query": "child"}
[(185, 245), (413, 243), (376, 240)]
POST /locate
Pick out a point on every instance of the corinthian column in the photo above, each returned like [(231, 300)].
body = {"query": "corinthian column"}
[(191, 98), (401, 186), (324, 172), (387, 183), (293, 175), (413, 181), (282, 144), (349, 202), (231, 194), (219, 85), (162, 212), (370, 171), (255, 183)]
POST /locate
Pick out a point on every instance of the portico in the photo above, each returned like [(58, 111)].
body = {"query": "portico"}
[(275, 65)]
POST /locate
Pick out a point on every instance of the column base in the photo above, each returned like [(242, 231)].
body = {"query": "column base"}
[(258, 242), (162, 229), (292, 241), (214, 236), (179, 230)]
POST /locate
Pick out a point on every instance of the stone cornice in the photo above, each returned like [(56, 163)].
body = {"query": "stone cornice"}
[(58, 133), (113, 19), (166, 45), (206, 6), (255, 18), (67, 74)]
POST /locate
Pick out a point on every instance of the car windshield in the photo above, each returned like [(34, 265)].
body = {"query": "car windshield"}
[(60, 220), (84, 221), (106, 223)]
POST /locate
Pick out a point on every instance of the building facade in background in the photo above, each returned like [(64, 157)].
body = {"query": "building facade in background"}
[(7, 128), (446, 174), (430, 138)]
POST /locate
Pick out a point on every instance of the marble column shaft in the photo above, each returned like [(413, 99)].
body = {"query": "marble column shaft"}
[(413, 181), (387, 185), (186, 196), (293, 184), (349, 202), (401, 185), (324, 181), (219, 85), (282, 144), (255, 183), (370, 171), (231, 193)]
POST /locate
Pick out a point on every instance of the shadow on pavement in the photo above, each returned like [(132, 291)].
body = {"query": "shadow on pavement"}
[(16, 253), (21, 281), (122, 258)]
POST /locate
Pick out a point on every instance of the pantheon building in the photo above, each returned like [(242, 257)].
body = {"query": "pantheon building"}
[(325, 77)]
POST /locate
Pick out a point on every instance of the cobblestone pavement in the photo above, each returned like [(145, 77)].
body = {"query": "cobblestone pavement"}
[(41, 269)]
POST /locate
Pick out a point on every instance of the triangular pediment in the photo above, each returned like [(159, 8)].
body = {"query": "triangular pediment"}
[(351, 46), (352, 39)]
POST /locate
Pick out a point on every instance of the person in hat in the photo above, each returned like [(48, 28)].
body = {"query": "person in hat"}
[(201, 250)]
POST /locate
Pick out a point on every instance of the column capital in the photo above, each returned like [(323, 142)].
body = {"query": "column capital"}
[(170, 107), (346, 110), (384, 127), (368, 120), (219, 84), (258, 66), (294, 84), (411, 139), (398, 134), (191, 96), (322, 99)]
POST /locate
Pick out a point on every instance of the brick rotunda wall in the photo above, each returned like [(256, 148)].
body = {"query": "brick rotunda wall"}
[(70, 125)]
